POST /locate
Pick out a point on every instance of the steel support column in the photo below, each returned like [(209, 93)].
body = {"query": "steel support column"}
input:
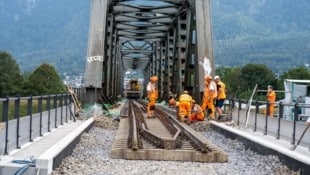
[(171, 55), (96, 49), (162, 50), (108, 67), (119, 70), (114, 67), (191, 75), (205, 58)]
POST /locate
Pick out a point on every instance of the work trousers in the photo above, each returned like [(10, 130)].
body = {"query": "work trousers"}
[(185, 109), (151, 106)]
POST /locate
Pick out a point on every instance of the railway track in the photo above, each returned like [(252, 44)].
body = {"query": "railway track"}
[(160, 138)]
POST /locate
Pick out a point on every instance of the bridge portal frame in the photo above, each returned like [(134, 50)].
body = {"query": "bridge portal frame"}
[(181, 59)]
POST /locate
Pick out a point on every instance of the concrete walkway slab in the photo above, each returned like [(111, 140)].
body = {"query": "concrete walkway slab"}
[(44, 150)]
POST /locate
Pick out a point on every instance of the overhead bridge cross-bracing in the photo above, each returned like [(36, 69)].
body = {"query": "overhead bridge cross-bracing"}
[(168, 38)]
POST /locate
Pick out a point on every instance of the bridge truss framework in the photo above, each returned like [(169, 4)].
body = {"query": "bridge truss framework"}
[(168, 38)]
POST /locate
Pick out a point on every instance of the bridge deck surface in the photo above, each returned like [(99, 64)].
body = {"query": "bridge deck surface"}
[(44, 146), (155, 126)]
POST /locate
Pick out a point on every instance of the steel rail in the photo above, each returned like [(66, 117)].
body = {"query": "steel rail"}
[(198, 142)]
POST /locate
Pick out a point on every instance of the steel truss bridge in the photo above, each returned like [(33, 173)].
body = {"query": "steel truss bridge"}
[(168, 38)]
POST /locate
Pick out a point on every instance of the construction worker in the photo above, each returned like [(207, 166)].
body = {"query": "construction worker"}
[(185, 106), (174, 103), (271, 98), (197, 113), (221, 95), (152, 95), (209, 96)]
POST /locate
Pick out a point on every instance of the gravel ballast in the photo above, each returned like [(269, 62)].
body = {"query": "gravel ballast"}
[(91, 157)]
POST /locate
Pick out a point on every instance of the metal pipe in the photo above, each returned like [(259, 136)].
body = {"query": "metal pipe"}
[(72, 114), (294, 123), (255, 118), (48, 108), (262, 90), (5, 113), (239, 108), (40, 111), (66, 103), (29, 112), (17, 117), (267, 113), (61, 112), (55, 106), (279, 119)]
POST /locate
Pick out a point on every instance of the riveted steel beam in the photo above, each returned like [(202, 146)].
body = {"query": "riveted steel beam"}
[(122, 18), (204, 40), (140, 38), (124, 38), (129, 51), (96, 40), (140, 34), (156, 27), (166, 10)]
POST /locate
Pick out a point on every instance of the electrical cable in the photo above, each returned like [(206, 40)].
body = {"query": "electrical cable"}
[(28, 163)]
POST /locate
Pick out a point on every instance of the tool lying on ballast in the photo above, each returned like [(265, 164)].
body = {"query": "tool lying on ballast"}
[(299, 140), (77, 105)]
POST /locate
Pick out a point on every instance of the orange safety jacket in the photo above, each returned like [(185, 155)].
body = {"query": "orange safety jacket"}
[(185, 98), (197, 113), (152, 91), (271, 96), (185, 105), (210, 93), (221, 90)]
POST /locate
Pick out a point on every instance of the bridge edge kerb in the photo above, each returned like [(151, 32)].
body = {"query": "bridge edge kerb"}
[(52, 158), (289, 161)]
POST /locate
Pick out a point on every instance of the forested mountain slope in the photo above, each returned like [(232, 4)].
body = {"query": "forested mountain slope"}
[(52, 31), (276, 33)]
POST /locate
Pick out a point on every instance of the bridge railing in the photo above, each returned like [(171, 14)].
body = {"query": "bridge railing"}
[(23, 119), (285, 124)]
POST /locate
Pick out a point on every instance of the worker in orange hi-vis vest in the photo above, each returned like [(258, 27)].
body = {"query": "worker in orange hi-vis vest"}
[(209, 95), (271, 97), (197, 113), (221, 95), (185, 106), (152, 95)]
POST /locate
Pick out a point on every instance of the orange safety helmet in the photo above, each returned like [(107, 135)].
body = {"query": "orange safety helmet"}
[(154, 78), (208, 77)]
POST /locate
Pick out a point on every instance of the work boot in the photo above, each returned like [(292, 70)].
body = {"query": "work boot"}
[(211, 117), (150, 115), (181, 119), (219, 118), (189, 122)]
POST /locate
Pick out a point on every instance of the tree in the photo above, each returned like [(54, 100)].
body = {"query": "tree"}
[(10, 77), (45, 80), (299, 73), (252, 74), (260, 74), (242, 81), (230, 76)]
